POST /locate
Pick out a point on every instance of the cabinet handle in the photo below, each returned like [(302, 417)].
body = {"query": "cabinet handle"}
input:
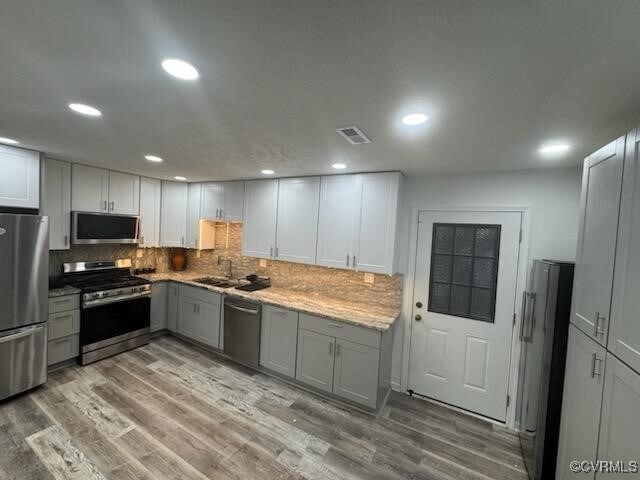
[(105, 205), (221, 215), (347, 259), (331, 348), (337, 349), (596, 325), (353, 264), (66, 240), (142, 240), (217, 213), (271, 252), (338, 325), (594, 361), (194, 308), (182, 241), (113, 206)]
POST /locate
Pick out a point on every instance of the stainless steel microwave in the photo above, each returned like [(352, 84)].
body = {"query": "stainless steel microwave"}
[(96, 228)]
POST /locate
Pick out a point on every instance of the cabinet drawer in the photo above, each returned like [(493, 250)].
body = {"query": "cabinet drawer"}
[(63, 324), (63, 349), (64, 304), (201, 294), (363, 336)]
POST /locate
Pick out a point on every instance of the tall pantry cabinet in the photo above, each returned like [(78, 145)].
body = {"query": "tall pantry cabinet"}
[(601, 404)]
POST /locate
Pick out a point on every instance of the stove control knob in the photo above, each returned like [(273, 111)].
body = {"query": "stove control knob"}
[(95, 295), (120, 292), (105, 294)]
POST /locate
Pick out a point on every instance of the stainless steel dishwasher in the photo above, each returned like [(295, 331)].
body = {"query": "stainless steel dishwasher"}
[(242, 331)]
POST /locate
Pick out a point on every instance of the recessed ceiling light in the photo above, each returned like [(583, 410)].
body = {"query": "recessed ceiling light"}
[(180, 69), (178, 177), (268, 172), (8, 141), (85, 109), (414, 119), (554, 149), (339, 166), (153, 158)]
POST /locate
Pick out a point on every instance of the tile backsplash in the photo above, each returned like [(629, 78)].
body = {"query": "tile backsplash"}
[(330, 282)]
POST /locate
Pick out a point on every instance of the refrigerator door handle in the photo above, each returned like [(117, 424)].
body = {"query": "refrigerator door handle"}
[(532, 316), (25, 332), (523, 314)]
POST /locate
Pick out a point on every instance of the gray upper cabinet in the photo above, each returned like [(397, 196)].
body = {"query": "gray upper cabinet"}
[(194, 199), (624, 331), (173, 212), (620, 423), (600, 204), (233, 201), (222, 201), (212, 201), (260, 213), (581, 403), (356, 372), (103, 191), (124, 193), (20, 177), (297, 223), (56, 201), (150, 199), (315, 359), (159, 306), (278, 341)]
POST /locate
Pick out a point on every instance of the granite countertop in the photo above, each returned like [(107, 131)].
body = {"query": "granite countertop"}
[(62, 291), (364, 315)]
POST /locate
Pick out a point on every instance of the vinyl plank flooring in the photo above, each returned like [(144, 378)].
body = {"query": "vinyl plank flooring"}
[(171, 410)]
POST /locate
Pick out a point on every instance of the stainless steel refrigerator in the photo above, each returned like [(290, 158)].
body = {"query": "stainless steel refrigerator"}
[(543, 336), (24, 286)]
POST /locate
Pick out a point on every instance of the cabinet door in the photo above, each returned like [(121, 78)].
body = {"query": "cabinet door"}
[(124, 193), (601, 186), (581, 403), (193, 214), (278, 341), (297, 226), (208, 329), (260, 210), (89, 189), (315, 359), (150, 195), (172, 306), (338, 220), (56, 202), (377, 234), (158, 306), (233, 201), (212, 200), (355, 374), (620, 422), (188, 324), (20, 178), (173, 223), (624, 331)]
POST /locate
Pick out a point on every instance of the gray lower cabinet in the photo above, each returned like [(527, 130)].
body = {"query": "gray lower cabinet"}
[(172, 306), (159, 306), (199, 314), (278, 342), (63, 325), (581, 403), (355, 374), (315, 359)]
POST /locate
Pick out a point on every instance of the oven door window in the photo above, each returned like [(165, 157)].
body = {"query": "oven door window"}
[(114, 319)]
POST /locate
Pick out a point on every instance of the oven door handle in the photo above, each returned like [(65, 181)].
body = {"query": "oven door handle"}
[(98, 302)]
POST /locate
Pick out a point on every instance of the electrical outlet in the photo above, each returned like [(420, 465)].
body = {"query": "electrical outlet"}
[(369, 278), (139, 253), (263, 262)]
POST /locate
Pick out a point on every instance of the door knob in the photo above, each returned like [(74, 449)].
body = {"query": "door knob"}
[(419, 304), (418, 318)]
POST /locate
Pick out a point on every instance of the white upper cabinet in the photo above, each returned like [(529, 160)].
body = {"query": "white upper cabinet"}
[(601, 187), (150, 195), (338, 220), (233, 201), (260, 213), (89, 189), (212, 201), (624, 332), (56, 201), (19, 177), (378, 214), (173, 223), (297, 224), (124, 193)]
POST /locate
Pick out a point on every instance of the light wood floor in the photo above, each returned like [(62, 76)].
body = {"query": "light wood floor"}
[(171, 411)]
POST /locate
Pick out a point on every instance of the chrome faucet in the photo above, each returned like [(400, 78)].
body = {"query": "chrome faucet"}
[(228, 262)]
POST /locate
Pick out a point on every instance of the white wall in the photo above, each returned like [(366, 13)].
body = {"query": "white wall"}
[(553, 196)]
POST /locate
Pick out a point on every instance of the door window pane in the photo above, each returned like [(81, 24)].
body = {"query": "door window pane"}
[(464, 269)]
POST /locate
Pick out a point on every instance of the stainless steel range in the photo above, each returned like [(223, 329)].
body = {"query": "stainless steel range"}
[(115, 308)]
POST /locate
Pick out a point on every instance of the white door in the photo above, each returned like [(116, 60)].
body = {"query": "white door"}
[(297, 219), (150, 212), (19, 177), (464, 301), (601, 186), (340, 200), (212, 200), (124, 193), (89, 189), (233, 199), (56, 202), (173, 223), (260, 211), (377, 234)]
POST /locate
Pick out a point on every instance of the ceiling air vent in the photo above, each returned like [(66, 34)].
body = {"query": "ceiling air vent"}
[(353, 135)]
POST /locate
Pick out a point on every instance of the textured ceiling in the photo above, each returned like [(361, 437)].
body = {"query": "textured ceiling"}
[(498, 78)]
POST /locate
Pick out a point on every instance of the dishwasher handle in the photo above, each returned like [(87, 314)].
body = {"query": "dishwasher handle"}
[(242, 309)]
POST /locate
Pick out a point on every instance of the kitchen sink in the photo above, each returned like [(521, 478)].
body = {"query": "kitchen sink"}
[(215, 282)]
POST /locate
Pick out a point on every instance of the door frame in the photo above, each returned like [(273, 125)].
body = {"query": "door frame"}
[(408, 296)]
